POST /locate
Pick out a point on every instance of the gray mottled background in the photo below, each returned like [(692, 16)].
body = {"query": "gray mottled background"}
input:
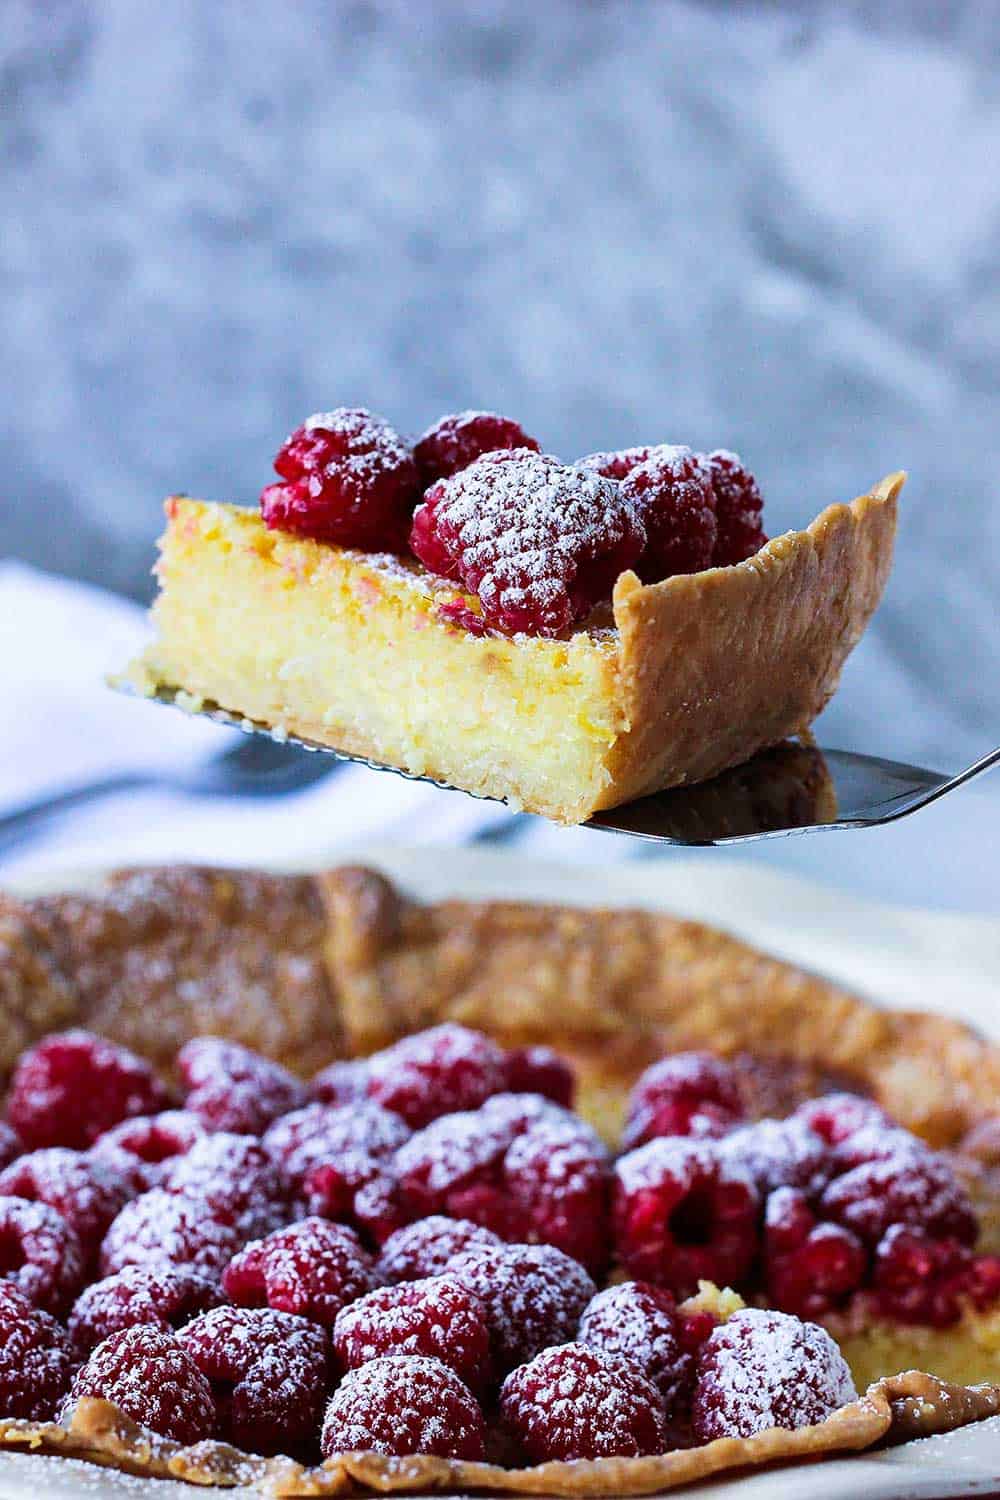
[(773, 227)]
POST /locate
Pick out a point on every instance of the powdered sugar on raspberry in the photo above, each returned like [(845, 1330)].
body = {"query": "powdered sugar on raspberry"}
[(766, 1369)]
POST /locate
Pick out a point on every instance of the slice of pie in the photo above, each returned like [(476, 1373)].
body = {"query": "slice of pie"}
[(561, 637), (436, 1205)]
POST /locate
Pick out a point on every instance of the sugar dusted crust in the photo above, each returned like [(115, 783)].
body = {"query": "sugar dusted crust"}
[(347, 649), (891, 1411)]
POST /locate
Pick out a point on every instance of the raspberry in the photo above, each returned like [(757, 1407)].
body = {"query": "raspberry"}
[(147, 1375), (40, 1254), (35, 1358), (780, 1153), (672, 492), (312, 1268), (540, 543), (340, 1083), (836, 1116), (577, 1402), (738, 507), (178, 1228), (268, 1371), (809, 1267), (618, 464), (232, 1088), (11, 1144), (918, 1189), (533, 1296), (689, 1093), (425, 1247), (520, 1166), (362, 1133), (639, 1324), (767, 1369), (237, 1177), (348, 478), (683, 1214), (455, 442), (540, 1070), (159, 1296), (87, 1191), (141, 1147), (436, 1072), (73, 1086), (877, 1143), (401, 1405), (338, 1158), (437, 1317)]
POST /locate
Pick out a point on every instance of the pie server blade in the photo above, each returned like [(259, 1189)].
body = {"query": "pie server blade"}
[(790, 788)]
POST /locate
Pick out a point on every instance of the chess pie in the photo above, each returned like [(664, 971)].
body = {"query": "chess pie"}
[(310, 1186), (566, 638)]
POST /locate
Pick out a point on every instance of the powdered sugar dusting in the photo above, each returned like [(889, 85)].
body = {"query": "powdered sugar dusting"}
[(766, 1369)]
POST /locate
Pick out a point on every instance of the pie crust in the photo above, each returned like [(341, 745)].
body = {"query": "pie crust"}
[(308, 969), (681, 680)]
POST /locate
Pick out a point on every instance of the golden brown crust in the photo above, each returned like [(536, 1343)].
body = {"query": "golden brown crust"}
[(715, 666), (162, 955), (894, 1410), (614, 989), (35, 996)]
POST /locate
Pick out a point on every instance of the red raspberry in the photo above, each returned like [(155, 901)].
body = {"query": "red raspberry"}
[(577, 1402), (738, 507), (141, 1147), (809, 1267), (339, 1159), (682, 1214), (540, 543), (836, 1116), (767, 1369), (437, 1317), (11, 1144), (237, 1177), (40, 1253), (540, 1070), (533, 1295), (349, 479), (639, 1324), (918, 1189), (618, 464), (269, 1374), (877, 1143), (780, 1153), (455, 442), (520, 1166), (688, 1093), (362, 1132), (436, 1072), (340, 1083), (672, 492), (35, 1358), (312, 1268), (146, 1374), (88, 1192), (231, 1088), (404, 1404), (178, 1228), (161, 1296), (425, 1247), (73, 1086)]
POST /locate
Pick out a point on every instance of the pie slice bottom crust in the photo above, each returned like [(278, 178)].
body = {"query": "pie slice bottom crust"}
[(308, 970)]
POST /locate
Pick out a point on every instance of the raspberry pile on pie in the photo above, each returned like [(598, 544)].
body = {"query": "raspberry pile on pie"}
[(429, 1252)]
